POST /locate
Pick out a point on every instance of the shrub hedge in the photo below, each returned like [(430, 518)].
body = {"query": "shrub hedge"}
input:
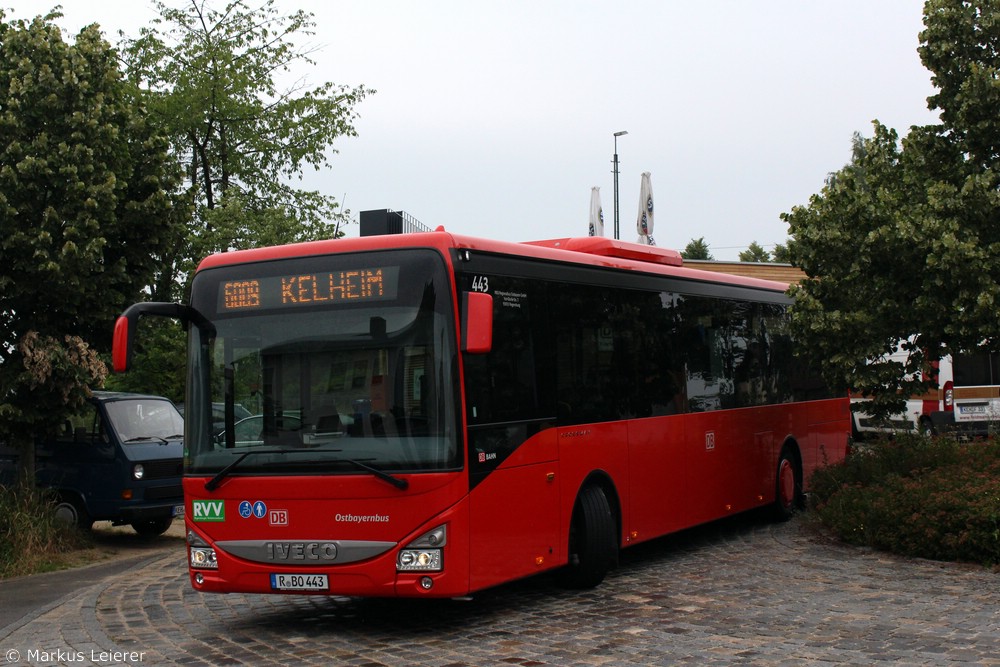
[(928, 497)]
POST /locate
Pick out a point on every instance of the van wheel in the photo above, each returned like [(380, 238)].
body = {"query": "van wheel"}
[(152, 527), (788, 487), (593, 540), (71, 511)]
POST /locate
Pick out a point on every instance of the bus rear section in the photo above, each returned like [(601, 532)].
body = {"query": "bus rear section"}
[(433, 415), (631, 403)]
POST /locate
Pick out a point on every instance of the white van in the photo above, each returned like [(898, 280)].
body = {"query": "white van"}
[(966, 401)]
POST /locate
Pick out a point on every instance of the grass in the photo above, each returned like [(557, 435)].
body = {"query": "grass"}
[(926, 497), (31, 538)]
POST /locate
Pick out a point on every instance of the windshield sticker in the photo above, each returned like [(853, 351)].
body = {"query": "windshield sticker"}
[(256, 509), (208, 510)]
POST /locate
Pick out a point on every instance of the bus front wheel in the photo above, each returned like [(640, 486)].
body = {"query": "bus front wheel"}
[(593, 544)]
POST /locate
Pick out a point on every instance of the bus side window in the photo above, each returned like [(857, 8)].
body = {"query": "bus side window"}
[(502, 384)]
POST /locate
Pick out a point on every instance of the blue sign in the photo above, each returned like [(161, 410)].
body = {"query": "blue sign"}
[(246, 509)]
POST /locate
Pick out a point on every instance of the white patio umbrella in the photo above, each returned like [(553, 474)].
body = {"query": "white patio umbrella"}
[(596, 213), (644, 222)]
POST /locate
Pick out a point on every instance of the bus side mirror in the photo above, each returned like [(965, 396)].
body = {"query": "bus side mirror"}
[(124, 337), (121, 344), (477, 322)]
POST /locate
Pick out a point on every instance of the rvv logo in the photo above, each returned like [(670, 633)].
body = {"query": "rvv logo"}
[(208, 510)]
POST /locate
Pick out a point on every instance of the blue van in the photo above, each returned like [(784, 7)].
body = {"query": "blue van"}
[(118, 459)]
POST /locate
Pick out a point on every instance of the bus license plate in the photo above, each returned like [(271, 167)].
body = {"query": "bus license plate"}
[(299, 582), (178, 511)]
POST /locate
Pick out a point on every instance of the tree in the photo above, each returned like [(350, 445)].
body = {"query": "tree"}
[(901, 247), (84, 211), (210, 77), (696, 249), (781, 254), (755, 253)]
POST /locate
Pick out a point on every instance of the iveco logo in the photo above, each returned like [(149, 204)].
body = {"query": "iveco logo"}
[(281, 551)]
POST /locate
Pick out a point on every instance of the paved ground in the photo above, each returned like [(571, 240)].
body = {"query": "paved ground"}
[(738, 592), (114, 549)]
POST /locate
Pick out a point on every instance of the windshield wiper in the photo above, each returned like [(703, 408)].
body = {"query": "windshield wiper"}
[(397, 482), (146, 438), (213, 483)]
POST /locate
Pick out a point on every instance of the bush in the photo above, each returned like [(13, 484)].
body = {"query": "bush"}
[(31, 538), (916, 496)]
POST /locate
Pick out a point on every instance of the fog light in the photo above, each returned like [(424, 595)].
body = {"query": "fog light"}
[(426, 583), (203, 558), (199, 578)]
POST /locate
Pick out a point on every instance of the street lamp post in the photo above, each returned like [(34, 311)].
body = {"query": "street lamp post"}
[(615, 172)]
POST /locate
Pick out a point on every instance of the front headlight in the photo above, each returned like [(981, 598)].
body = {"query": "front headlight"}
[(138, 471), (419, 560), (424, 554), (200, 555), (203, 558)]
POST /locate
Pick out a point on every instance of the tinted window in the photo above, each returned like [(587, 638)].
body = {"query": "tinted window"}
[(587, 353)]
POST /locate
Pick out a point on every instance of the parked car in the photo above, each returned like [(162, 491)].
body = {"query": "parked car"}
[(118, 459), (249, 432), (219, 414)]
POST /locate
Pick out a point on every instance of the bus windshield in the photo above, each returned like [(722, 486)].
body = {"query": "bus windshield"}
[(344, 364)]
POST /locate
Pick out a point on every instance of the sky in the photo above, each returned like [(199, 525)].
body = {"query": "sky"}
[(496, 118)]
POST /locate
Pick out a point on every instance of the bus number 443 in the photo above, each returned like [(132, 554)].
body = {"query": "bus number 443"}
[(480, 284)]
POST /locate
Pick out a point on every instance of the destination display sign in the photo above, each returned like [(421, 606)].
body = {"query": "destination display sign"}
[(309, 289)]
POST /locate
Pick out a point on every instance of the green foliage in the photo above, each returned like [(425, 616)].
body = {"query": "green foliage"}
[(755, 253), (901, 245), (30, 536), (696, 249), (160, 361), (211, 77), (84, 216), (960, 45), (781, 255), (916, 496)]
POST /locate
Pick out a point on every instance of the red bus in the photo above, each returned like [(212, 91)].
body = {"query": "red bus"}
[(433, 414)]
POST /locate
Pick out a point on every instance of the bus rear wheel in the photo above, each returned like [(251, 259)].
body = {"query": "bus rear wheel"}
[(593, 543), (788, 486)]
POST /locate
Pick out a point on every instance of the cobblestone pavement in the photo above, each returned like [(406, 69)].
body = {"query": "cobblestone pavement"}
[(737, 592)]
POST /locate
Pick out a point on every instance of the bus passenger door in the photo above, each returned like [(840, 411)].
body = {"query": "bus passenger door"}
[(514, 510)]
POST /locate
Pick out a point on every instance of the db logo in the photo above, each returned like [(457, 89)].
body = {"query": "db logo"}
[(484, 457), (278, 517)]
